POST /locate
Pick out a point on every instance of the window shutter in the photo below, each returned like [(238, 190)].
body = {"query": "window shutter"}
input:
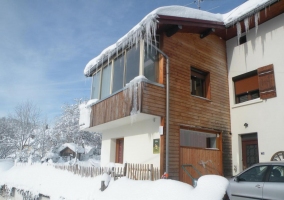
[(266, 80), (246, 85)]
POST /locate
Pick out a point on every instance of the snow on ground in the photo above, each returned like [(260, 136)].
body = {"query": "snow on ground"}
[(45, 179), (5, 164)]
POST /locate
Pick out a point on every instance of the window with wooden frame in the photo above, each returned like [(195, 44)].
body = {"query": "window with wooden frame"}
[(119, 150), (200, 83), (259, 83), (199, 139)]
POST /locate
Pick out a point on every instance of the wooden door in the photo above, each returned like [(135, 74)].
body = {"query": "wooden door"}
[(119, 150), (249, 153), (205, 161)]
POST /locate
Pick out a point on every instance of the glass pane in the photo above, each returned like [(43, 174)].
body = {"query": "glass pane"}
[(197, 139), (243, 98), (96, 85), (105, 89), (255, 174), (197, 86), (132, 63), (118, 72), (151, 64), (255, 94), (277, 174)]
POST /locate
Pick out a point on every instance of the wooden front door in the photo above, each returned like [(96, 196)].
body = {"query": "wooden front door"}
[(249, 153), (119, 150)]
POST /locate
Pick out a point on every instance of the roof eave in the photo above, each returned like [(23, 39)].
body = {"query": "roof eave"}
[(252, 12), (163, 19)]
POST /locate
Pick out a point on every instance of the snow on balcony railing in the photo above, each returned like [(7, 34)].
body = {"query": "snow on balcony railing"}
[(85, 113)]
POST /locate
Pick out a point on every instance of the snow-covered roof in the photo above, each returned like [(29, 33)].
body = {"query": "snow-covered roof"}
[(73, 147), (146, 28), (244, 10), (89, 148)]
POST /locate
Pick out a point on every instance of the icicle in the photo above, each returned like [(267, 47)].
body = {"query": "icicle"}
[(256, 20), (146, 30), (239, 31), (246, 21), (130, 94), (265, 12)]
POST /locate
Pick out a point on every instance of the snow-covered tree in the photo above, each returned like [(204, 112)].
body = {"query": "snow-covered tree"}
[(27, 121), (6, 146), (67, 128), (25, 135)]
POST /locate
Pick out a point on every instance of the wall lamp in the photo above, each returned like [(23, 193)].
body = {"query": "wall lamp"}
[(246, 125), (172, 30)]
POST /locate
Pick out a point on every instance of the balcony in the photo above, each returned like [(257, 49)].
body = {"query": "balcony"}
[(136, 102)]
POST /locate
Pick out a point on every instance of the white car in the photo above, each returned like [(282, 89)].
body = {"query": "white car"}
[(263, 181)]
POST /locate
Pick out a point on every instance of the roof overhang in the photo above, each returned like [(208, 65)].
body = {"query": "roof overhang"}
[(267, 11)]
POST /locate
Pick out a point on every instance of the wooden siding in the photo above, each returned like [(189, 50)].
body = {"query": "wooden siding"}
[(120, 104), (207, 54), (205, 161), (153, 99)]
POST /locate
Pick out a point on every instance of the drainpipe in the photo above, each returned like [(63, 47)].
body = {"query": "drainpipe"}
[(167, 106)]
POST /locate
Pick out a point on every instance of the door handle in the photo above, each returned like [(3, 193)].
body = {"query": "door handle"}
[(258, 186)]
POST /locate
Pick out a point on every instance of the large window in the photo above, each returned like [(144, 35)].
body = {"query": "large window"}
[(118, 73), (198, 139), (151, 64), (200, 83), (96, 85), (132, 63), (259, 83), (105, 89), (123, 68)]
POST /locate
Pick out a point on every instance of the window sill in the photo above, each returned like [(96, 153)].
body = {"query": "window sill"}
[(199, 97), (254, 101)]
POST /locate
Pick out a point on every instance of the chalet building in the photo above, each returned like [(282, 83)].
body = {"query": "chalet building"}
[(165, 93), (70, 150)]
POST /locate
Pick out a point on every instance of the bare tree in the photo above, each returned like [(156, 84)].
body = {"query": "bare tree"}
[(18, 131), (6, 146)]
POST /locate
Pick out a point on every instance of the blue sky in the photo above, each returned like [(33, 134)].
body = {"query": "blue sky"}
[(46, 44)]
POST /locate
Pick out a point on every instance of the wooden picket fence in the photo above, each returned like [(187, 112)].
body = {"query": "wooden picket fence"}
[(131, 171), (82, 171), (142, 172)]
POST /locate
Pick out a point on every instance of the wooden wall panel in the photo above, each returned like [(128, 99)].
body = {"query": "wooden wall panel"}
[(205, 161), (208, 54), (120, 105), (153, 99)]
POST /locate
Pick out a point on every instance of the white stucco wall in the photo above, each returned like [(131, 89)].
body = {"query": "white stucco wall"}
[(138, 142), (265, 117)]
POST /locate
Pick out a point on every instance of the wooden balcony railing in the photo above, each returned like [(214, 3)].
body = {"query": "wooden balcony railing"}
[(143, 97)]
